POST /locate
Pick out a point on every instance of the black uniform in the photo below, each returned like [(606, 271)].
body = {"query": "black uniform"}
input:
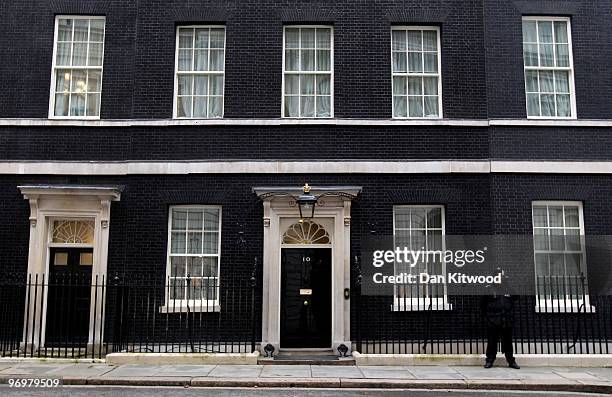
[(499, 312)]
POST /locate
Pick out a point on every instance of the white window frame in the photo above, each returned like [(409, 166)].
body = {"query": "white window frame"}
[(569, 69), (54, 66), (331, 72), (423, 74), (198, 305), (566, 304), (422, 303), (202, 72)]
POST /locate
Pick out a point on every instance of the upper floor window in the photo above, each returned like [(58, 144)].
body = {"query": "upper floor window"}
[(559, 254), (78, 55), (415, 67), (549, 71), (194, 245), (200, 72), (308, 72), (420, 228)]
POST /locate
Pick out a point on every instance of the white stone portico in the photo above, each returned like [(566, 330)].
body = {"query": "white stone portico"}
[(333, 212), (49, 203)]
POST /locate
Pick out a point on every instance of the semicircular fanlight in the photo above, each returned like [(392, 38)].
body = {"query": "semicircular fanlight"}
[(306, 232), (73, 232)]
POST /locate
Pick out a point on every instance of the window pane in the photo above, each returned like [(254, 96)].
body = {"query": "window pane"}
[(211, 242), (415, 85), (292, 105), (61, 104), (184, 85), (93, 104), (292, 60), (533, 105), (400, 106), (324, 38), (560, 32), (548, 105), (323, 60), (415, 62), (414, 40), (292, 84), (217, 38), (194, 242), (185, 38), (431, 62), (323, 106), (81, 26), (529, 32), (216, 85), (210, 267), (323, 85), (94, 81), (63, 54), (545, 31), (398, 40), (547, 81), (184, 62), (211, 219), (307, 61), (430, 40), (571, 217), (77, 104), (563, 106), (215, 106), (557, 265), (79, 81), (96, 30), (307, 106), (415, 106), (307, 84), (308, 38), (562, 55), (200, 105), (399, 85), (418, 218), (201, 60), (530, 54), (79, 54), (64, 30), (292, 38), (217, 60), (184, 106), (557, 241), (541, 239), (572, 240), (431, 85), (399, 62), (194, 267), (201, 38), (62, 81), (95, 54), (434, 218), (572, 264), (541, 262), (200, 85), (531, 81), (555, 216), (177, 266), (540, 217), (431, 106), (546, 55)]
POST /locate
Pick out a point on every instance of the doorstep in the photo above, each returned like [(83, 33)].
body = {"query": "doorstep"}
[(306, 357)]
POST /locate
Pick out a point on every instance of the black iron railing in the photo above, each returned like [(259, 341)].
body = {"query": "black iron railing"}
[(80, 316), (561, 318)]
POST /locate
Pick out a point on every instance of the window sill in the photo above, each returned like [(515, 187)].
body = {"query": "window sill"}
[(421, 306), (210, 307), (563, 307)]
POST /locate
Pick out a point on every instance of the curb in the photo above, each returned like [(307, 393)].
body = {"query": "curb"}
[(348, 383)]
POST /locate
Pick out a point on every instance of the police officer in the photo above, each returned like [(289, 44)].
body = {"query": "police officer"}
[(499, 312)]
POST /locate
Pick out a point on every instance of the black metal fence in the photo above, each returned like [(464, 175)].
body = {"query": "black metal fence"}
[(562, 318), (71, 316)]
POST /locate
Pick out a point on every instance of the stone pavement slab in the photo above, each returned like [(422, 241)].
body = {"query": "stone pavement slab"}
[(135, 370), (236, 371), (335, 371), (80, 370), (286, 371), (385, 372), (435, 372), (483, 373), (28, 368), (185, 370)]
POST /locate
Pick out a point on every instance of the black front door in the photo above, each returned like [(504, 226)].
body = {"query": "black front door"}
[(69, 295), (305, 297)]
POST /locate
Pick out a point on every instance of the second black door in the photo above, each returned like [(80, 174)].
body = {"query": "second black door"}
[(306, 298)]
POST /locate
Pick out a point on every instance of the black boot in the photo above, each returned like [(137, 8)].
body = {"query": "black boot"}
[(488, 363), (513, 364)]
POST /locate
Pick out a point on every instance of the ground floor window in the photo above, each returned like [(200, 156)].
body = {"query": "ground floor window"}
[(194, 245), (559, 253), (420, 227)]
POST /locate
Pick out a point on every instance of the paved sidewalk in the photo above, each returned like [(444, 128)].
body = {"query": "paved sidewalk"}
[(423, 377)]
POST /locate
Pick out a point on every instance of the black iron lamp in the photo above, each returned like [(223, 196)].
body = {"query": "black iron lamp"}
[(306, 203)]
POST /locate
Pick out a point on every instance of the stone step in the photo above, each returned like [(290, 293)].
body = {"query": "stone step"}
[(295, 358)]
